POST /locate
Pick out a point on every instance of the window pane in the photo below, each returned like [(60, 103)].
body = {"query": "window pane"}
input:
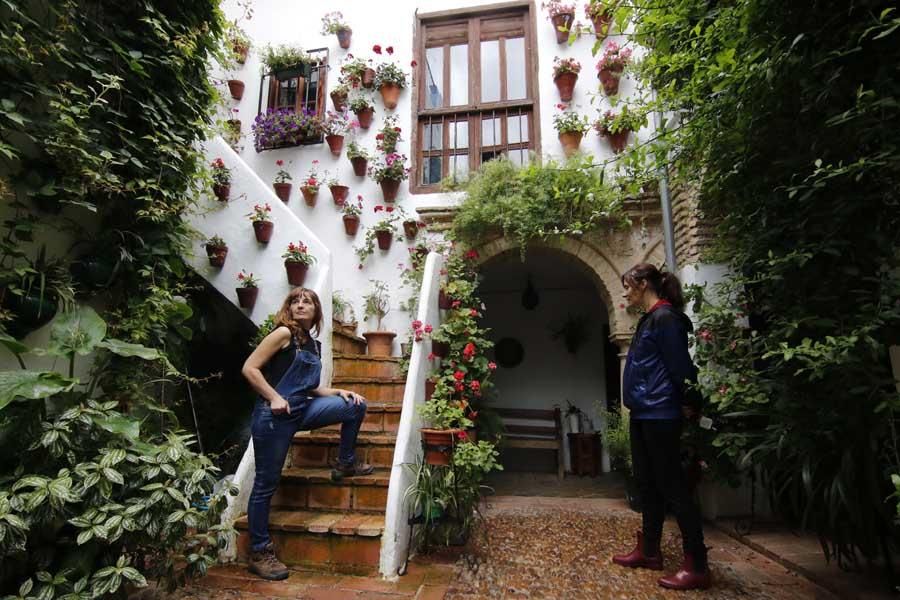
[(459, 135), (518, 157), (459, 75), (491, 134), (434, 77), (517, 129), (432, 138), (515, 69), (431, 170), (459, 166), (287, 93), (490, 71)]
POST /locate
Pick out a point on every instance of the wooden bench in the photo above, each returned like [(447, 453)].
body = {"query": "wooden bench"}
[(543, 432)]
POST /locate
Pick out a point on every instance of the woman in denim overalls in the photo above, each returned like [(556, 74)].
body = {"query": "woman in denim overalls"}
[(284, 370)]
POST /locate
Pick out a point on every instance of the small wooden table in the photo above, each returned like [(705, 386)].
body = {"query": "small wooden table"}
[(584, 452)]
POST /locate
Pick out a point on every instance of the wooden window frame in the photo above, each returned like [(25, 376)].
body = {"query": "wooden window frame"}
[(475, 110)]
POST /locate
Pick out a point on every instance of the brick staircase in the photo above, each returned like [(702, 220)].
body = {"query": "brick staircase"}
[(337, 526)]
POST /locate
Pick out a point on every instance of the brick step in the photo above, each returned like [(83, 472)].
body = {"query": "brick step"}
[(311, 488), (380, 417), (355, 365), (319, 448), (346, 343), (375, 389), (343, 542)]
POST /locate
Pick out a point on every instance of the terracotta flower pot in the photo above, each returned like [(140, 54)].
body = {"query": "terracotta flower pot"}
[(335, 144), (390, 94), (236, 87), (339, 194), (344, 36), (564, 21), (570, 141), (222, 192), (359, 165), (440, 349), (378, 343), (216, 255), (609, 79), (618, 141), (296, 272), (247, 296), (339, 101), (429, 389), (445, 302), (384, 239), (351, 224), (389, 189), (368, 78), (439, 444), (601, 25), (309, 195), (411, 229), (241, 53), (365, 117), (283, 191), (565, 83), (263, 231), (421, 254)]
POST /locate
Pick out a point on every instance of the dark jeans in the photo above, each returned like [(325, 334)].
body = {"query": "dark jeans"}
[(272, 435), (656, 459)]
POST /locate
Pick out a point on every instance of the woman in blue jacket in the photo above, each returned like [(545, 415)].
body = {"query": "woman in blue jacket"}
[(656, 392)]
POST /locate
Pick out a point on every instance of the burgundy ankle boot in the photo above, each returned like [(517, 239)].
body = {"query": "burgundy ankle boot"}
[(693, 574), (638, 558)]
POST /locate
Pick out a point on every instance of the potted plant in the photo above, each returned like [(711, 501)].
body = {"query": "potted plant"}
[(33, 292), (617, 127), (216, 251), (281, 185), (562, 16), (448, 423), (355, 70), (389, 170), (333, 22), (565, 74), (238, 42), (389, 79), (611, 66), (339, 96), (440, 343), (571, 127), (383, 231), (600, 13), (378, 342), (236, 88), (335, 127), (359, 158), (285, 61), (342, 310), (351, 213), (338, 190), (364, 110), (616, 436), (388, 136), (573, 416), (221, 176), (310, 187), (232, 130), (297, 260), (262, 226), (411, 227), (248, 289), (277, 128)]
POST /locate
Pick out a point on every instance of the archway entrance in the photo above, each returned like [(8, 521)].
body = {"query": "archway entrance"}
[(551, 328)]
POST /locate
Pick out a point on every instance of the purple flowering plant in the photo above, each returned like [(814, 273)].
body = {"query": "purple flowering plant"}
[(284, 127)]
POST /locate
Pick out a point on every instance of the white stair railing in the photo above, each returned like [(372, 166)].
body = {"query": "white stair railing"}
[(229, 221), (408, 450)]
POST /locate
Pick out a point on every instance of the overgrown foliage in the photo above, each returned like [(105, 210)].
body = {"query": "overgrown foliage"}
[(789, 113)]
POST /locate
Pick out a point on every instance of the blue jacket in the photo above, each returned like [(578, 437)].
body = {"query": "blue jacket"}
[(658, 364)]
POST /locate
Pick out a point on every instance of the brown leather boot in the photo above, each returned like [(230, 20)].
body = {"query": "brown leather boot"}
[(265, 564), (638, 559), (341, 470), (693, 574)]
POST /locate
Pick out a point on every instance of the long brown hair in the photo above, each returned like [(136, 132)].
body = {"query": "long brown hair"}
[(664, 284), (283, 316)]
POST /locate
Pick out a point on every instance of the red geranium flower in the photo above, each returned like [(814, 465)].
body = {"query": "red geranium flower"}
[(473, 313), (472, 254), (379, 208), (459, 375), (389, 49), (428, 329), (456, 303), (376, 49), (462, 436), (279, 162), (413, 64)]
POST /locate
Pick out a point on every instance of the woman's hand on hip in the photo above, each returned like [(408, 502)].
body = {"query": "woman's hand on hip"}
[(349, 396), (280, 406)]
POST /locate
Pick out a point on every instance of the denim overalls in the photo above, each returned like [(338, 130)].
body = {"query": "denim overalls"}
[(272, 434)]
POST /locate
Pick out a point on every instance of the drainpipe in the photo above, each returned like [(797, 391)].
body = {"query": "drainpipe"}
[(666, 202)]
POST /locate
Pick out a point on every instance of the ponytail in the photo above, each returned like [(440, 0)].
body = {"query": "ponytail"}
[(664, 284)]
